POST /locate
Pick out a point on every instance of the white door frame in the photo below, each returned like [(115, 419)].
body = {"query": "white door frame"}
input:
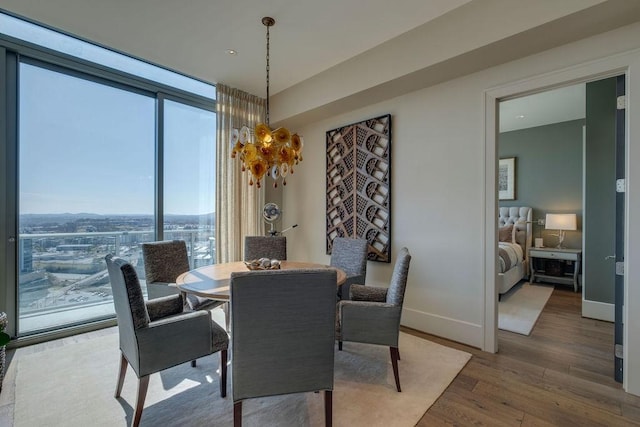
[(627, 63)]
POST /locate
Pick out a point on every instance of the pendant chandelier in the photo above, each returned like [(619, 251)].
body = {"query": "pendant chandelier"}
[(263, 151)]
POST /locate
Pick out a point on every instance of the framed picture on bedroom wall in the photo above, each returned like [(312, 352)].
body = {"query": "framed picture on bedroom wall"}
[(507, 179)]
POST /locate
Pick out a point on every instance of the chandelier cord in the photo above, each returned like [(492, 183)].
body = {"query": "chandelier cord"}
[(268, 75)]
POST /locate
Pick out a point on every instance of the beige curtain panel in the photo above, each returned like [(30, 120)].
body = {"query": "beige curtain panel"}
[(238, 204)]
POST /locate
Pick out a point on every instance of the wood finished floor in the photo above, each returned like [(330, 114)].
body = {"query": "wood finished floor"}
[(560, 375)]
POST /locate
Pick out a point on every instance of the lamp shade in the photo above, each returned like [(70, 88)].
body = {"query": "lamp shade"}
[(560, 222)]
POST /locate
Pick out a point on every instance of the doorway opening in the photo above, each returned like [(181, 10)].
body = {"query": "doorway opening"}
[(556, 156)]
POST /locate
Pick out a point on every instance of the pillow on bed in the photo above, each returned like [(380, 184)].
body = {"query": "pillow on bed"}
[(505, 234)]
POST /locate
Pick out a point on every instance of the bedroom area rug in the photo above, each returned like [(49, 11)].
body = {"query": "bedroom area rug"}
[(73, 385), (519, 309)]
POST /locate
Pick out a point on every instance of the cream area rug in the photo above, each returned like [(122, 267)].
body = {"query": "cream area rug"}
[(73, 385), (519, 309)]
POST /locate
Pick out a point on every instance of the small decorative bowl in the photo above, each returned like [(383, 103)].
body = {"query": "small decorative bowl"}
[(263, 264)]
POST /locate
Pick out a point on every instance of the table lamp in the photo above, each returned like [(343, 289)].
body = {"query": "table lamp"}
[(560, 222)]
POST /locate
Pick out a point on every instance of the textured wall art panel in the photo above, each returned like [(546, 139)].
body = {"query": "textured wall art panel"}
[(359, 184)]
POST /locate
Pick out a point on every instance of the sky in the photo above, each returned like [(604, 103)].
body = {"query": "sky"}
[(89, 147)]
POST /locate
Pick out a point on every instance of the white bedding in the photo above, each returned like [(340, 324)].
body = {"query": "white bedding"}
[(510, 255)]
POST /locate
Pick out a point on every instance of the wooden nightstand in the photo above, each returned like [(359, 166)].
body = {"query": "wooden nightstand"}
[(538, 271)]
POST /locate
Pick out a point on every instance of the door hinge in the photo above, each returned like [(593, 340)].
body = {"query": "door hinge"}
[(620, 185), (619, 351), (620, 268), (621, 102)]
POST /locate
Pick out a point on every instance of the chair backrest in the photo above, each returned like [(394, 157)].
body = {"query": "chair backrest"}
[(165, 261), (283, 325), (273, 247), (128, 299), (398, 284), (350, 255)]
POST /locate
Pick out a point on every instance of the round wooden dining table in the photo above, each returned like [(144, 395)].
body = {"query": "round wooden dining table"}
[(212, 281)]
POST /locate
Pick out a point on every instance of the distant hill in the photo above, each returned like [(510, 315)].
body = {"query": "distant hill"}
[(63, 218)]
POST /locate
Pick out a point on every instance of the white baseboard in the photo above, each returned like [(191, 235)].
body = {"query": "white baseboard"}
[(598, 310), (452, 329)]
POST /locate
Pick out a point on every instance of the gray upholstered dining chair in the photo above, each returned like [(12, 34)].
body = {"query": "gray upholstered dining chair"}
[(158, 334), (283, 334), (273, 247), (373, 314), (350, 255), (164, 261)]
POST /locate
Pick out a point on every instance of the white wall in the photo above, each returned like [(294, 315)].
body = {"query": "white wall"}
[(433, 172), (439, 187)]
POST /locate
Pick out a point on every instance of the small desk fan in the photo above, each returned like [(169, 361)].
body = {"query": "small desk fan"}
[(271, 213)]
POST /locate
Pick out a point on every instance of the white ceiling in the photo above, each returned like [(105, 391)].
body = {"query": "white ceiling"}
[(553, 106), (193, 36)]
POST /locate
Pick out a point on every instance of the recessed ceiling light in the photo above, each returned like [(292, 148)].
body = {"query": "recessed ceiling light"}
[(520, 116), (232, 51)]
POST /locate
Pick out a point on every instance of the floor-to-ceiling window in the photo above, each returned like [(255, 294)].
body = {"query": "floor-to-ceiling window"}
[(86, 189), (108, 157)]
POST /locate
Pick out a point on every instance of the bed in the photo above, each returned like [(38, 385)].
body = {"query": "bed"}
[(514, 240)]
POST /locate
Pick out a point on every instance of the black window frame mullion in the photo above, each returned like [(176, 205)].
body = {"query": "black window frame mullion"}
[(159, 187), (8, 197)]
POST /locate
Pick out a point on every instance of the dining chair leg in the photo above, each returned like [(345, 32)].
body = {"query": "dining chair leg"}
[(395, 356), (193, 363), (340, 345), (223, 373), (328, 408), (227, 321), (143, 385), (237, 414), (121, 374)]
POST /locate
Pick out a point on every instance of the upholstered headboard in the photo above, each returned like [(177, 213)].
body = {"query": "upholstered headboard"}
[(521, 218)]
